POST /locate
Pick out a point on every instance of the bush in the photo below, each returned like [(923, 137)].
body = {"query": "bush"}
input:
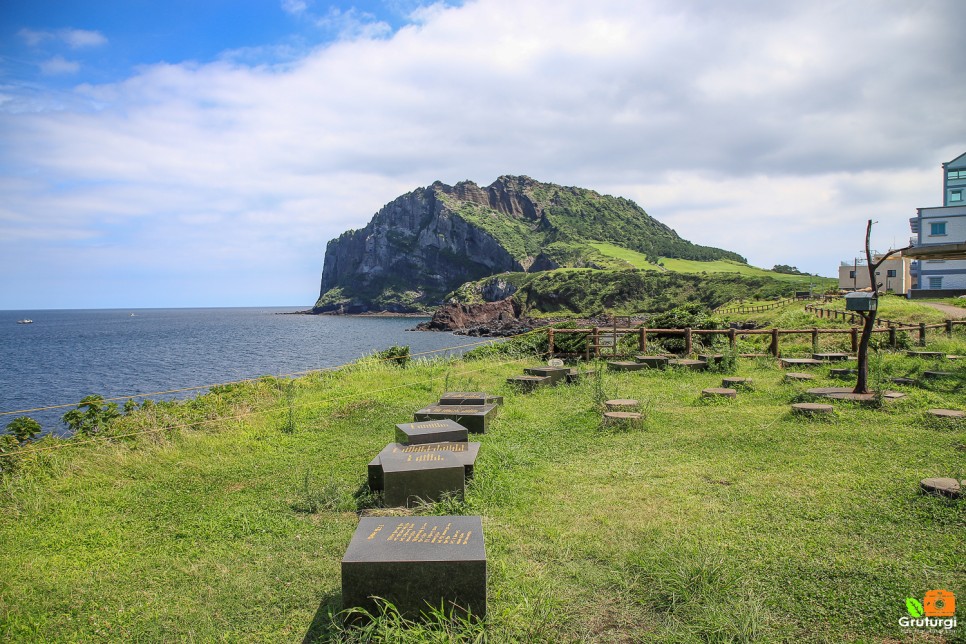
[(395, 355), (23, 428), (92, 416)]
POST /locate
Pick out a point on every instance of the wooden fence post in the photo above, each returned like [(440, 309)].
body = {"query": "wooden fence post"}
[(597, 342), (643, 342), (732, 337), (949, 328), (774, 342), (922, 334), (854, 333), (892, 337), (687, 341), (814, 340)]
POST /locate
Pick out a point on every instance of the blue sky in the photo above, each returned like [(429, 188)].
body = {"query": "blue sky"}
[(202, 154)]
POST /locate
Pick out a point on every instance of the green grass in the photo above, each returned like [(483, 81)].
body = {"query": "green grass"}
[(718, 522), (638, 260)]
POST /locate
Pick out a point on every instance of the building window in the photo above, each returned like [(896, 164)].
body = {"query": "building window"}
[(851, 275), (957, 174), (938, 228), (891, 272), (935, 282), (956, 195)]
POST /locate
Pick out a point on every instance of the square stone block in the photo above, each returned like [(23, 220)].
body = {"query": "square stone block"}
[(528, 383), (430, 431), (417, 563), (556, 374), (465, 452), (412, 478), (475, 418), (469, 398)]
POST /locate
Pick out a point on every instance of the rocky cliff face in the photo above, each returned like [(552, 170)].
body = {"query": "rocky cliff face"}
[(413, 252)]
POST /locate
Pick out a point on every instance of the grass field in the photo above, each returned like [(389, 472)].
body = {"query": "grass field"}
[(717, 522), (638, 260)]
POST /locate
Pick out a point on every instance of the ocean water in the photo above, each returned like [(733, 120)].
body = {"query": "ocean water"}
[(66, 355)]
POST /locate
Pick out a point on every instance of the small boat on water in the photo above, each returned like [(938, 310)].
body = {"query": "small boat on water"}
[(25, 321)]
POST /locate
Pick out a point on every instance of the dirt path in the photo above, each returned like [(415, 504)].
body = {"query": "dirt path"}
[(954, 312)]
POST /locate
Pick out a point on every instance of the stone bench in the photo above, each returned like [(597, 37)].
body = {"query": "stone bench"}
[(431, 431), (416, 563), (734, 381), (831, 357), (794, 376), (944, 486), (622, 419), (812, 409), (469, 398), (929, 355), (719, 392), (935, 375), (624, 365), (622, 404), (842, 373), (694, 365), (652, 362), (799, 362), (465, 452), (528, 383), (556, 374), (475, 418), (946, 414)]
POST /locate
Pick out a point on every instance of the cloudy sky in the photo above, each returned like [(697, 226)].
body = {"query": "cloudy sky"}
[(202, 154)]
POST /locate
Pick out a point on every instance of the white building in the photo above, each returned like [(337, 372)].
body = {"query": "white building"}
[(944, 224), (893, 275)]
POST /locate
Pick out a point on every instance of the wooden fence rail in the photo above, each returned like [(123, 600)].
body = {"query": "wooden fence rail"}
[(593, 336)]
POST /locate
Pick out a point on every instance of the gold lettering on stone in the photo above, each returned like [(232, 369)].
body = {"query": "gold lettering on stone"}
[(408, 533), (376, 531)]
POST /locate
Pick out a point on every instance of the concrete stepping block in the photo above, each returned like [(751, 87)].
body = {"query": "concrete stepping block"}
[(799, 362), (944, 486), (935, 375), (952, 357), (754, 355), (842, 373), (904, 381), (652, 362), (719, 392), (711, 358), (734, 381), (622, 404), (469, 398), (929, 355), (415, 562), (556, 374), (624, 365), (622, 418), (794, 376), (432, 431), (846, 393), (475, 418), (812, 409), (528, 383), (831, 357), (946, 414), (576, 375), (694, 365)]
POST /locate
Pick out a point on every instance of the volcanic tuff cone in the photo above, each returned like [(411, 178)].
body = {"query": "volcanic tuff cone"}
[(426, 243)]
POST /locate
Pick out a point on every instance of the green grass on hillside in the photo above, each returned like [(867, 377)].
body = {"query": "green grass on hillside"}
[(638, 260), (717, 522)]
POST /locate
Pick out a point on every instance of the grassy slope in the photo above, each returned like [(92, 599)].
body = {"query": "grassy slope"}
[(637, 260), (754, 525)]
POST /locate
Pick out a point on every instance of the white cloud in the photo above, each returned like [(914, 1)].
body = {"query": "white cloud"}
[(73, 38), (771, 130), (59, 65), (294, 7)]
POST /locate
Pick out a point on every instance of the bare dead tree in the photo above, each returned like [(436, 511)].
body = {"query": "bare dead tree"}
[(868, 317)]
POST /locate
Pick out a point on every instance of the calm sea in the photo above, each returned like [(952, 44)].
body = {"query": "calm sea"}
[(66, 355)]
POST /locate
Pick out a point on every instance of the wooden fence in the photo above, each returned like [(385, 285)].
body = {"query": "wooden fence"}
[(758, 308), (597, 338)]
